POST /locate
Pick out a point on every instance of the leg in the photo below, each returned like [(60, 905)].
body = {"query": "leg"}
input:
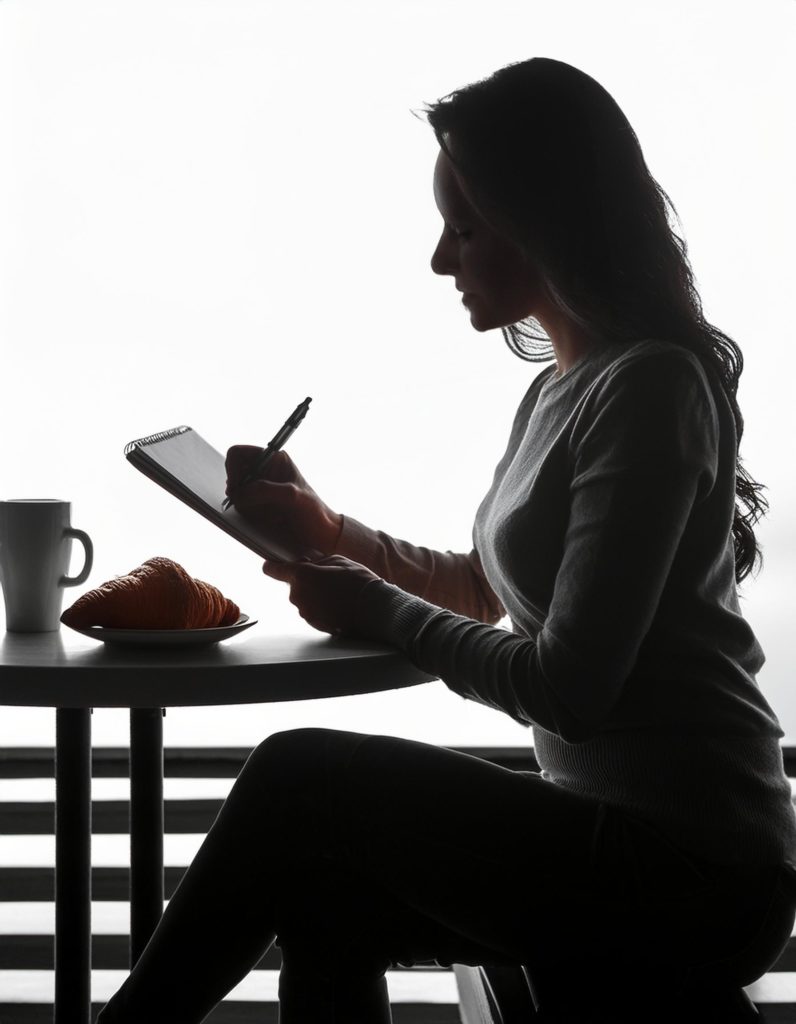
[(216, 925), (73, 866), (360, 851), (296, 809), (442, 857), (339, 935)]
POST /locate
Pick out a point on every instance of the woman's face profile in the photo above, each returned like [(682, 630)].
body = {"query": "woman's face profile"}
[(499, 286)]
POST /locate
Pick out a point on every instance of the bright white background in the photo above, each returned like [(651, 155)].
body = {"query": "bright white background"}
[(212, 208)]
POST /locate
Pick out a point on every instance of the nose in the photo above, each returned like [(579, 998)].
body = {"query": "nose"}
[(442, 261)]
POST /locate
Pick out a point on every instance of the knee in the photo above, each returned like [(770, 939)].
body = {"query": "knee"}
[(281, 749), (298, 772), (280, 759), (295, 751)]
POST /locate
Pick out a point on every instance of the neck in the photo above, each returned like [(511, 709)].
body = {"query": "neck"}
[(570, 341)]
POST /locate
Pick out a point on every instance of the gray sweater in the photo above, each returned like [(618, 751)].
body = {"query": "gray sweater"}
[(606, 538)]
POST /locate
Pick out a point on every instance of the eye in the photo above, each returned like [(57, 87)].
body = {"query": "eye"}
[(461, 234)]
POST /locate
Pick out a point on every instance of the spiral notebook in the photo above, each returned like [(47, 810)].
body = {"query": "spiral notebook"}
[(185, 465)]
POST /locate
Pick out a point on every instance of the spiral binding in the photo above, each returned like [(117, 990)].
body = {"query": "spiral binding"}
[(164, 435)]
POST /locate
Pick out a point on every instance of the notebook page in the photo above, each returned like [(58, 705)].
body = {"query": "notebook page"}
[(183, 463)]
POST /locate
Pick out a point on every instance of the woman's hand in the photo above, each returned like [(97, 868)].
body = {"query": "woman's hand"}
[(281, 502), (325, 592)]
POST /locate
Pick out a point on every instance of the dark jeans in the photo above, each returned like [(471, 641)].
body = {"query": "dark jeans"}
[(356, 852)]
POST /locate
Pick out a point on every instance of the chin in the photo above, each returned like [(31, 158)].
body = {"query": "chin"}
[(481, 324), (481, 321)]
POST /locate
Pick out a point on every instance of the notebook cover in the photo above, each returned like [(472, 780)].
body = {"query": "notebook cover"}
[(185, 465)]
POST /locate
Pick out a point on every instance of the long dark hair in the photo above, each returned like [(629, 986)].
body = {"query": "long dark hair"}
[(552, 162)]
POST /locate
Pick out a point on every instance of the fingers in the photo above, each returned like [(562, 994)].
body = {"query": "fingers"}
[(326, 592), (277, 496), (302, 578), (300, 574), (331, 561), (279, 571), (241, 457), (289, 571)]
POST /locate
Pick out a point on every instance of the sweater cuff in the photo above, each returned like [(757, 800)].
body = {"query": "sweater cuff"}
[(388, 613), (354, 540)]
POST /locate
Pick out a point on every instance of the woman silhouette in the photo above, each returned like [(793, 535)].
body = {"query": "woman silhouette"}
[(660, 828)]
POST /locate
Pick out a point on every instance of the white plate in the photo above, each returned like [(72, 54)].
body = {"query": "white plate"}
[(166, 637)]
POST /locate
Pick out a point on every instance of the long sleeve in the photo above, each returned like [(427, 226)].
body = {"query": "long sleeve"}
[(639, 457), (478, 661), (607, 537), (449, 580)]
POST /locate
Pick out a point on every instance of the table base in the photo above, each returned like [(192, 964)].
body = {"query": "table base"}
[(146, 826), (72, 1003), (72, 866)]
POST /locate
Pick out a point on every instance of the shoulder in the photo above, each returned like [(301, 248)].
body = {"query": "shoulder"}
[(652, 357), (656, 397), (658, 374)]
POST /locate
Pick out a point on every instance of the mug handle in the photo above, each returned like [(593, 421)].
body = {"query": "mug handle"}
[(85, 540)]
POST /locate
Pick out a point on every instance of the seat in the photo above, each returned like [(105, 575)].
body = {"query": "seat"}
[(583, 990), (509, 995), (494, 995), (581, 996)]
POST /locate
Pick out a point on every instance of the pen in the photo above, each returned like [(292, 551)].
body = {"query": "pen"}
[(276, 442)]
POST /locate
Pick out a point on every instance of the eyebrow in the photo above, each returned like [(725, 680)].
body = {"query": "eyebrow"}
[(456, 210)]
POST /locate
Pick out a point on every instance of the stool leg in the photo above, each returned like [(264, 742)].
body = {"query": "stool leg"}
[(72, 866), (146, 826)]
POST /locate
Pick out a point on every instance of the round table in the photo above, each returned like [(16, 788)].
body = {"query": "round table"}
[(73, 674)]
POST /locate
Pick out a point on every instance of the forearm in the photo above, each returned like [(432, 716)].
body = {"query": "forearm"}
[(446, 579), (478, 661)]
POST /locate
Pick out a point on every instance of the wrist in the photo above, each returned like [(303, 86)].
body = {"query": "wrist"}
[(333, 529), (385, 612)]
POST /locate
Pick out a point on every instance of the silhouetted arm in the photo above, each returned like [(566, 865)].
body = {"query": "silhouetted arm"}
[(446, 579), (641, 459)]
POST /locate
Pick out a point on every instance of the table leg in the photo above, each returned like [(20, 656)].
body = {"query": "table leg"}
[(146, 826), (72, 866)]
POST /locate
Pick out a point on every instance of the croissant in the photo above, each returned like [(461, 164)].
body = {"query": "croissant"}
[(157, 595)]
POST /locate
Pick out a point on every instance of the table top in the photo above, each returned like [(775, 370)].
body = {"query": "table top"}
[(65, 669)]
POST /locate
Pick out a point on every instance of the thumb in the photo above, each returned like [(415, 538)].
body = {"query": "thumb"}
[(278, 571)]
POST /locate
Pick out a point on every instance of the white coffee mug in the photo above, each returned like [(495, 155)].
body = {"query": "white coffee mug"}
[(35, 549)]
